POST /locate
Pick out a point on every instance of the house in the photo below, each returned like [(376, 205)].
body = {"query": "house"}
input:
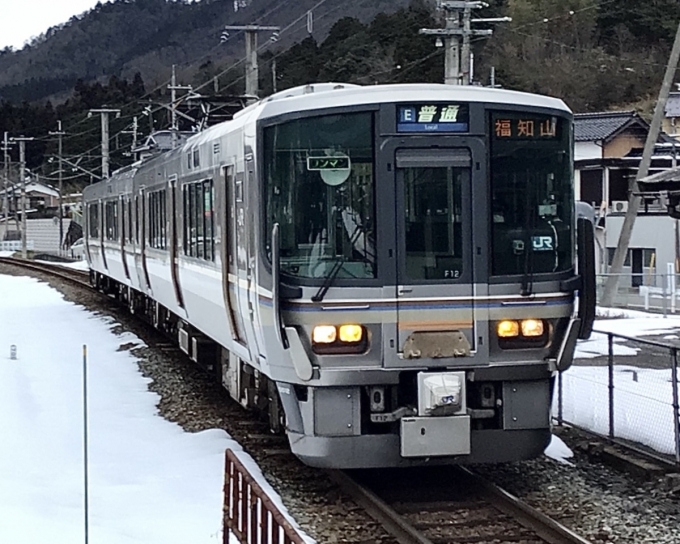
[(608, 150), (42, 201), (671, 121), (39, 197)]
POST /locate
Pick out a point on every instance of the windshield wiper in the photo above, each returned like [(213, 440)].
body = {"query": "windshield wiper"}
[(528, 275), (328, 281), (337, 265)]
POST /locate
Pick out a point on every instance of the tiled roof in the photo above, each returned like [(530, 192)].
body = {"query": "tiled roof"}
[(589, 127)]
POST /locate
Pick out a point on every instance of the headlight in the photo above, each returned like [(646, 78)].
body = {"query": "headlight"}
[(532, 327), (507, 329), (525, 333), (351, 333), (324, 334), (339, 340)]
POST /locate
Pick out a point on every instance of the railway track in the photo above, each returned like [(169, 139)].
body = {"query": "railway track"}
[(78, 277), (450, 505)]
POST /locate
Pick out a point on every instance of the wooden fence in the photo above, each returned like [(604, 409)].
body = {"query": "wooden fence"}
[(249, 514)]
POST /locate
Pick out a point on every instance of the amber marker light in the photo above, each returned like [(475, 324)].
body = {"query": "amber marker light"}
[(507, 329), (351, 333), (324, 334), (532, 327)]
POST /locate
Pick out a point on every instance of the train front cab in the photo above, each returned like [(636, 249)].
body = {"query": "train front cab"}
[(425, 271)]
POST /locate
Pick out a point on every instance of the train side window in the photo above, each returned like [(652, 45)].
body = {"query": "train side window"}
[(185, 219), (152, 224), (93, 219), (157, 220), (137, 224), (164, 223), (208, 220), (123, 221), (199, 222), (129, 217), (196, 158), (111, 220)]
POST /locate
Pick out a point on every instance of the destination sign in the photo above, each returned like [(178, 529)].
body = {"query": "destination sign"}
[(525, 127), (328, 163), (433, 118)]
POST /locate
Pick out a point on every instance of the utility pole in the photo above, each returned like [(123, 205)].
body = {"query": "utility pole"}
[(457, 63), (60, 133), (252, 83), (105, 137), (173, 107), (643, 170), (135, 128), (274, 75), (22, 179), (5, 202)]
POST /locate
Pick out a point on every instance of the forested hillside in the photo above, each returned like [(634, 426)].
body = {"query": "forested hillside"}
[(595, 54), (122, 37)]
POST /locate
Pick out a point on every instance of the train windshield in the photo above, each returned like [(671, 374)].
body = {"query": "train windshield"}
[(531, 191), (320, 188)]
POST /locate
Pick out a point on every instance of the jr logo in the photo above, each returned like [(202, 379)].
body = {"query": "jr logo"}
[(542, 243)]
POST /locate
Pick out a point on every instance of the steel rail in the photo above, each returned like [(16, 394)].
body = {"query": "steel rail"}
[(78, 277), (545, 528), (379, 510)]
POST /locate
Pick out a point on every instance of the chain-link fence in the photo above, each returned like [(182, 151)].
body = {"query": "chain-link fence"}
[(645, 291), (631, 393)]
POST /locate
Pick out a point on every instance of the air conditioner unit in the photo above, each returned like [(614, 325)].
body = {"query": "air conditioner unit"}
[(619, 206)]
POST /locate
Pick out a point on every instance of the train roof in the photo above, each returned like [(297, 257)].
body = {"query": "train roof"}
[(328, 95), (319, 96)]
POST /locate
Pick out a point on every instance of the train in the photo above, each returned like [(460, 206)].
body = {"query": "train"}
[(392, 275)]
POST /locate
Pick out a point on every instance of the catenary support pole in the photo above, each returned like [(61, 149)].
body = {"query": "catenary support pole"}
[(105, 137), (60, 133), (22, 183), (633, 198), (252, 70)]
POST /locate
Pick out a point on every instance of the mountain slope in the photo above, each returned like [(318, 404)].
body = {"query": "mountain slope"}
[(123, 37)]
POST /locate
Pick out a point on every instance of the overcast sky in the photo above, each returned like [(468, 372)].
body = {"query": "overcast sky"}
[(24, 19)]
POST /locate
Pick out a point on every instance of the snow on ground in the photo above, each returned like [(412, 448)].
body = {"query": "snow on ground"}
[(559, 451), (149, 481), (76, 265), (643, 410)]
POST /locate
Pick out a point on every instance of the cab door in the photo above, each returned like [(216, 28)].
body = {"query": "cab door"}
[(435, 305)]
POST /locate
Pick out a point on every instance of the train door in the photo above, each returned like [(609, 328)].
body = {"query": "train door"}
[(102, 233), (435, 314), (136, 236), (232, 258), (142, 235), (123, 234), (174, 235), (249, 239)]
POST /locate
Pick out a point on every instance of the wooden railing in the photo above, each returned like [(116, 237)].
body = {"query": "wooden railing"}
[(249, 514)]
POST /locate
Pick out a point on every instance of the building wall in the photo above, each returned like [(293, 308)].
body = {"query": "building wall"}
[(587, 150), (621, 146), (650, 232)]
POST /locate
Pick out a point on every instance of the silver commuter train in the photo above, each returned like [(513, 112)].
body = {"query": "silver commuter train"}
[(388, 272)]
